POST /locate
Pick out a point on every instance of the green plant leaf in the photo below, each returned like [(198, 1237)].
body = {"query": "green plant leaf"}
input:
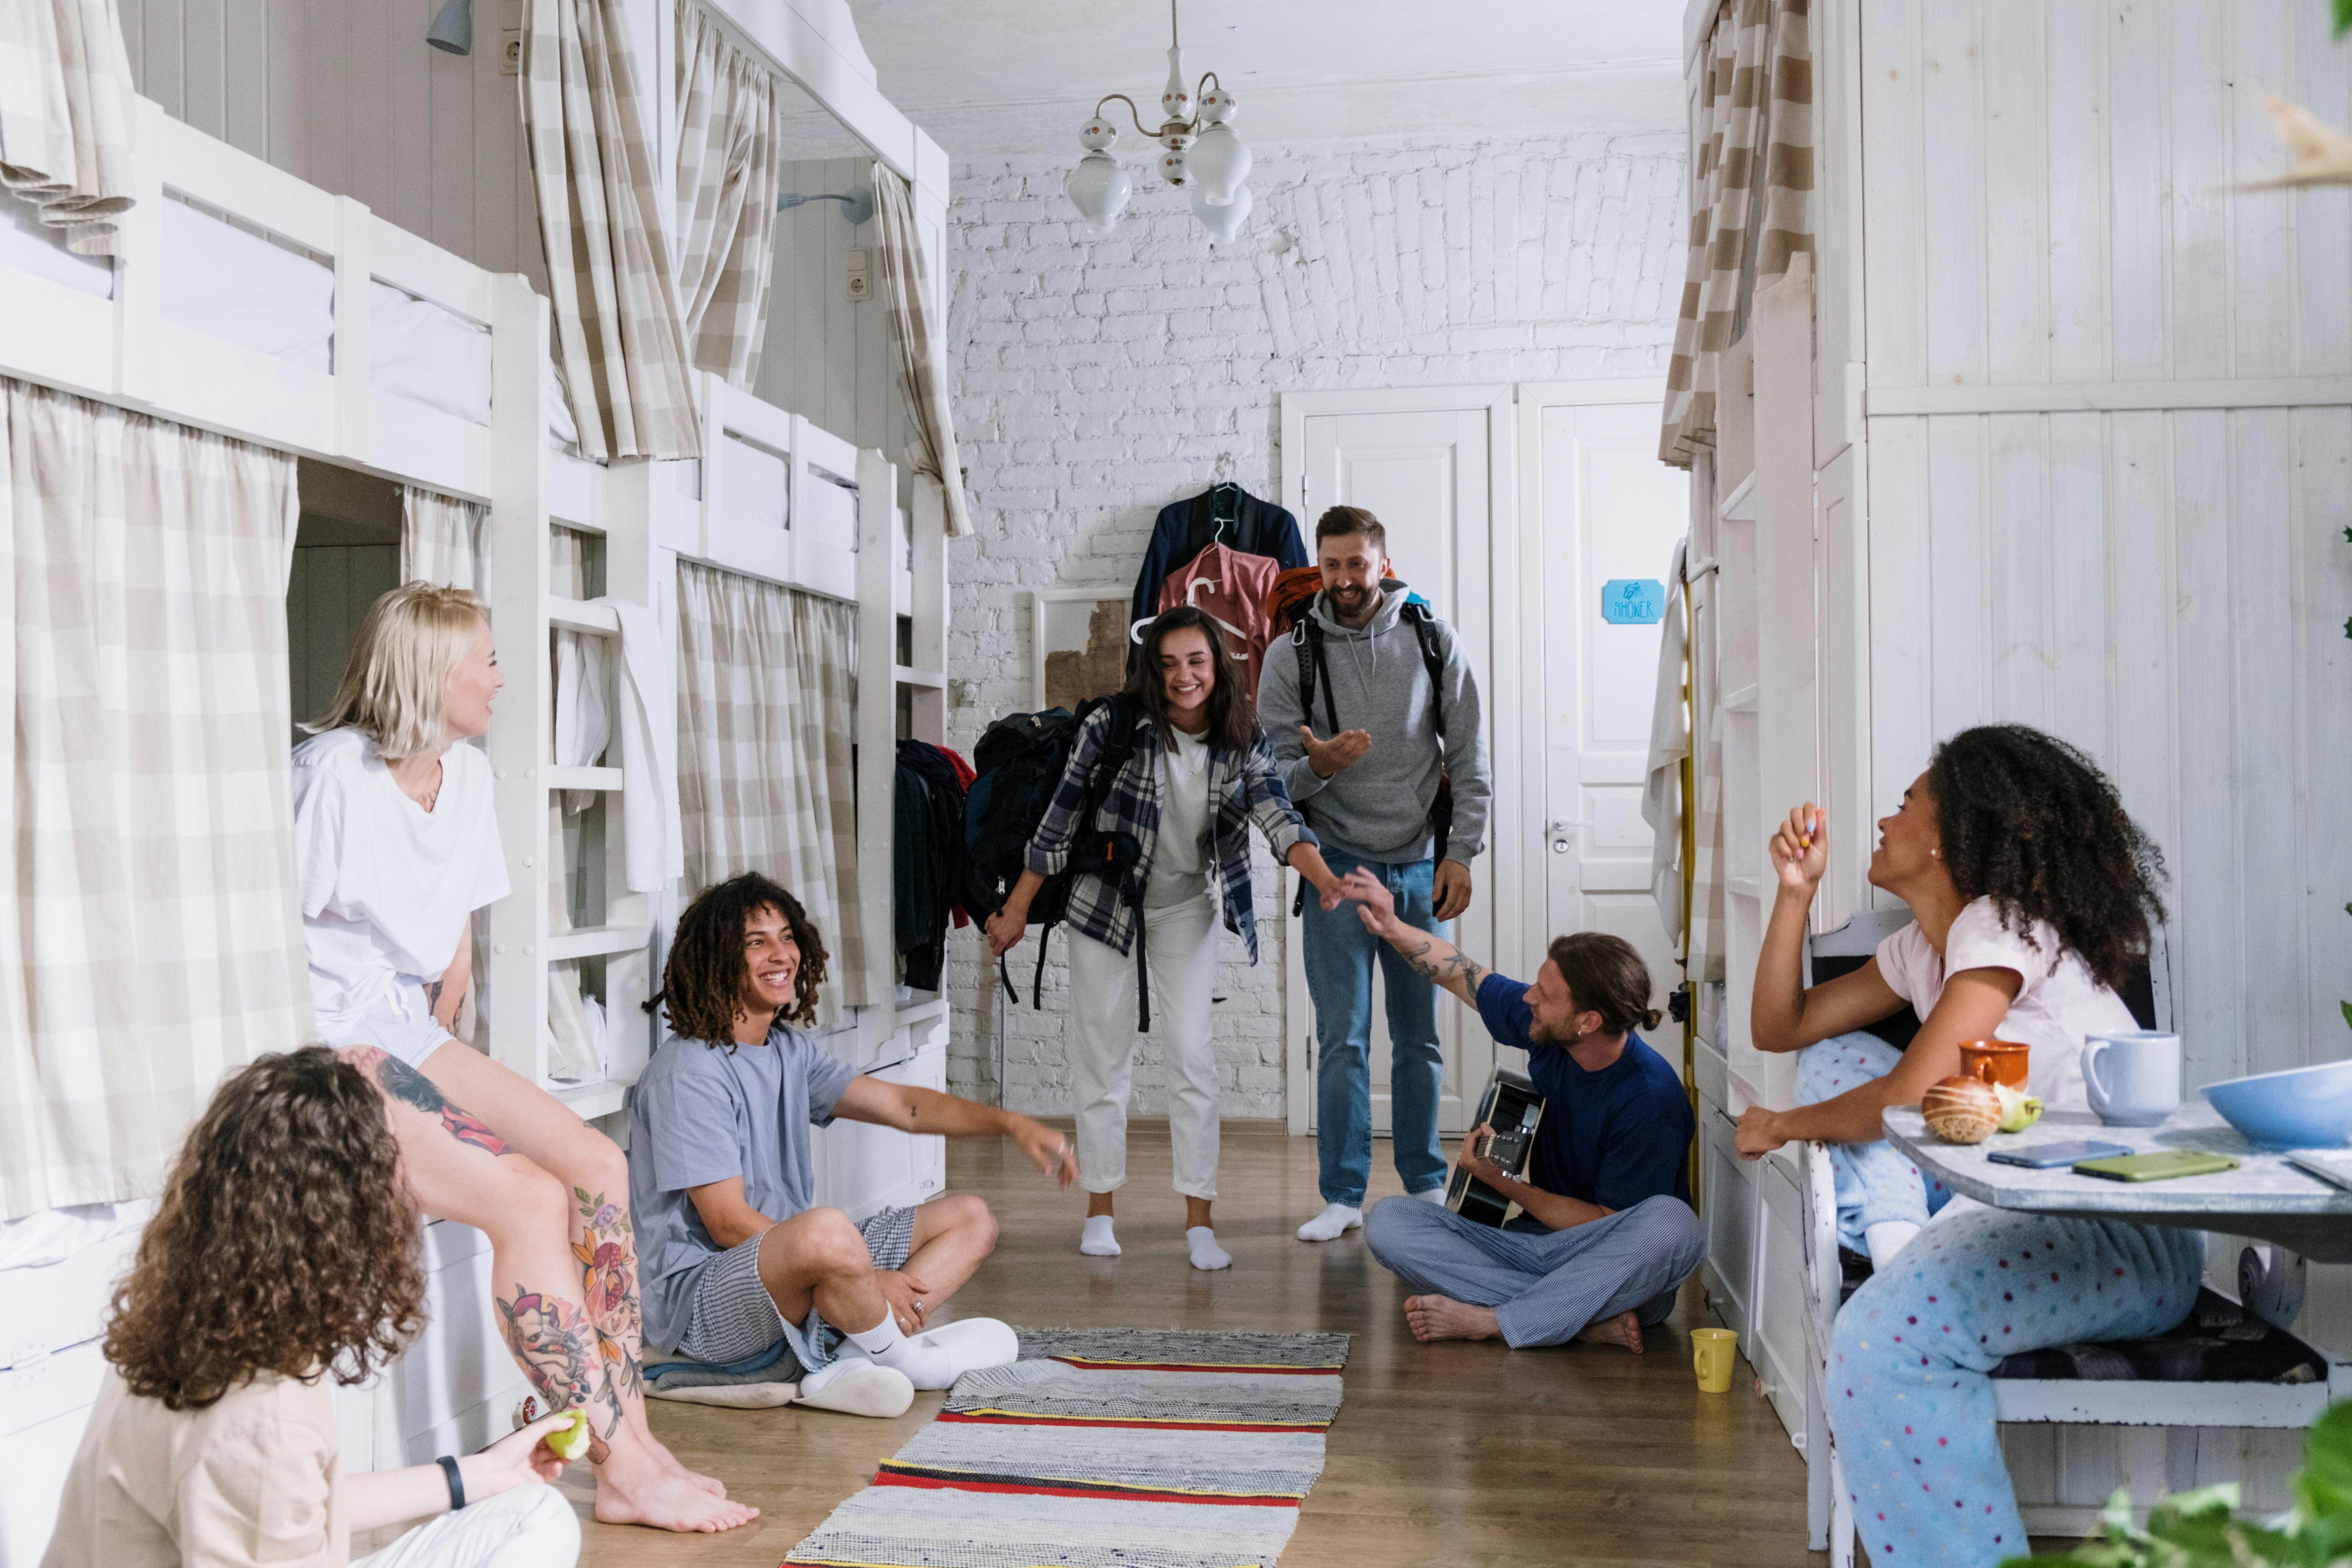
[(2343, 17), (2347, 1011)]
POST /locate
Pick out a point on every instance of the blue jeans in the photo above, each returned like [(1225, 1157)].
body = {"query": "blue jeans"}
[(1340, 954)]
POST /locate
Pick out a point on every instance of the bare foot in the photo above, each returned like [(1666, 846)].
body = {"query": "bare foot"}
[(1625, 1329), (1443, 1317), (662, 1498), (643, 1428)]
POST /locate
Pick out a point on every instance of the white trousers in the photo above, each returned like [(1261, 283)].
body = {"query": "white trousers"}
[(531, 1526), (1182, 953)]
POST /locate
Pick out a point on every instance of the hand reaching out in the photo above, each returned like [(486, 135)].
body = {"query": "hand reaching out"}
[(1801, 848), (1004, 929), (1336, 755)]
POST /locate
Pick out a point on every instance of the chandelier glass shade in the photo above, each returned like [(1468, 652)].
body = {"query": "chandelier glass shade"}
[(1200, 152)]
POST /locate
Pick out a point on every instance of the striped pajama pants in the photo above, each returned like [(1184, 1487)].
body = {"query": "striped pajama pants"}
[(1545, 1286)]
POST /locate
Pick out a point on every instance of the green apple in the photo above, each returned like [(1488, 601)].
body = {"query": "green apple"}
[(2019, 1110), (570, 1443)]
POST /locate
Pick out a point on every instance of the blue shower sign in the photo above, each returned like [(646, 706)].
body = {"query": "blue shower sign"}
[(1633, 601)]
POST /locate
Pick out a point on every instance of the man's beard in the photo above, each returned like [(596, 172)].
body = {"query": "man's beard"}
[(1351, 601)]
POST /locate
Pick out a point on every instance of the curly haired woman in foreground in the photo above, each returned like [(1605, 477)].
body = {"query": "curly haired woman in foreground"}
[(213, 1440), (2032, 893)]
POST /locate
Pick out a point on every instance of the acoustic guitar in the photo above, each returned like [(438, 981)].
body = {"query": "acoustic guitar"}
[(1513, 1109)]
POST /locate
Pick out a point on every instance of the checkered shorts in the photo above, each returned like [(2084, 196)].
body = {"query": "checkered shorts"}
[(735, 1318)]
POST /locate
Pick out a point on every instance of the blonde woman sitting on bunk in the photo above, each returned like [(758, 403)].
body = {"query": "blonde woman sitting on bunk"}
[(393, 822), (1198, 775)]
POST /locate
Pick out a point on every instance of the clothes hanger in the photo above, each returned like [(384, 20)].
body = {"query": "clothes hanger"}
[(1219, 494)]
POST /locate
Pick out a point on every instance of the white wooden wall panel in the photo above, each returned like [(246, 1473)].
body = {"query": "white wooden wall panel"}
[(2048, 202), (828, 357), (348, 95)]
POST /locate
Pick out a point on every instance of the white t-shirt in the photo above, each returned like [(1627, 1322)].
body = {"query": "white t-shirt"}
[(1179, 868), (2054, 1010), (386, 885)]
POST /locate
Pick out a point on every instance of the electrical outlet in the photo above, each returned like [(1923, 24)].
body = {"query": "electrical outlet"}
[(510, 51), (861, 277)]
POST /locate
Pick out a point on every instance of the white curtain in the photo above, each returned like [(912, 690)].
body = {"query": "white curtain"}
[(151, 936), (922, 344), (67, 111), (445, 541), (730, 157), (619, 335), (767, 695)]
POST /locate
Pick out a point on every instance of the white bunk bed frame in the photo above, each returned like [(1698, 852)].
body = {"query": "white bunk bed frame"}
[(457, 1388)]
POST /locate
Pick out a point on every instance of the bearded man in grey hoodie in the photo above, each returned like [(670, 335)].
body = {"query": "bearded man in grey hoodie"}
[(1364, 765)]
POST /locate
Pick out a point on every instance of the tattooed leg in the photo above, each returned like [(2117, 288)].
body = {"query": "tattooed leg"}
[(608, 1257), (405, 1084), (554, 1343)]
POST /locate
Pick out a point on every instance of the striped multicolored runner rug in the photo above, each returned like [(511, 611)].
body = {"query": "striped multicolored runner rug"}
[(1103, 1448)]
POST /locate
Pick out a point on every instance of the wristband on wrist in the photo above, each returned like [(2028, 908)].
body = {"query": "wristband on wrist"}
[(456, 1483)]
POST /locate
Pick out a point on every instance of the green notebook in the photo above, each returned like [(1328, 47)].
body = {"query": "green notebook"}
[(2158, 1167)]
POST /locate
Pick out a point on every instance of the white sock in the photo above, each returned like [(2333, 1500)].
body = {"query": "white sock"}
[(1887, 1238), (1206, 1253), (1436, 1194), (1334, 1221), (926, 1366), (1099, 1242)]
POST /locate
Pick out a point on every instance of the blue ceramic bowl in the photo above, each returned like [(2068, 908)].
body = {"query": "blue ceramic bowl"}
[(2302, 1107)]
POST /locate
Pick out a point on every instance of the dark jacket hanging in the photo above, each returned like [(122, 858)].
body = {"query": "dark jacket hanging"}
[(1186, 528)]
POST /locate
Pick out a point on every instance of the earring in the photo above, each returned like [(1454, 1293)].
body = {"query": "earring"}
[(1935, 855)]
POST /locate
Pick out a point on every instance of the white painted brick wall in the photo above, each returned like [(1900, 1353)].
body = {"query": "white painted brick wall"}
[(1099, 379)]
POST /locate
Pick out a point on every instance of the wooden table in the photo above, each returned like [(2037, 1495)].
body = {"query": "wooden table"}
[(2266, 1197)]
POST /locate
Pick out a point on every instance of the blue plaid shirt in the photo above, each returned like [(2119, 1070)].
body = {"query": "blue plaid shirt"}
[(1243, 789)]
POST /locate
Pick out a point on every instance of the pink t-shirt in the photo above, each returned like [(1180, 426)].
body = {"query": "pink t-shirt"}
[(2054, 1011)]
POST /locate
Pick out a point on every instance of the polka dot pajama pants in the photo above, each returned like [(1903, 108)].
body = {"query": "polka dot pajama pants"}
[(1909, 1399), (1873, 1182)]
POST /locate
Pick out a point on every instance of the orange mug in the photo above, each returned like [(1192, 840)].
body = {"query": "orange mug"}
[(1995, 1061)]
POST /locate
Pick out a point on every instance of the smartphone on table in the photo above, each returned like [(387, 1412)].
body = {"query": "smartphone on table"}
[(2159, 1167), (2047, 1156)]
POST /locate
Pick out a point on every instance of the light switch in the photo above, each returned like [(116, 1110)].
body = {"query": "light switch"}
[(861, 277)]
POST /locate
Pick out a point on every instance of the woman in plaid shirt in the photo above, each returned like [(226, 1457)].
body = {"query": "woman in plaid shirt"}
[(1199, 774)]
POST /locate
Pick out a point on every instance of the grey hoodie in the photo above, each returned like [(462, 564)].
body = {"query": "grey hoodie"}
[(1378, 809)]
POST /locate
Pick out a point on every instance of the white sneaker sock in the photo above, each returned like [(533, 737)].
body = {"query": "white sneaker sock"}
[(1098, 1241), (926, 1366), (1887, 1238), (1206, 1253), (1336, 1220), (1436, 1194)]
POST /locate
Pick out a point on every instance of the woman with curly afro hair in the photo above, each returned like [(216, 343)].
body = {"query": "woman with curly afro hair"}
[(283, 1261), (2032, 893)]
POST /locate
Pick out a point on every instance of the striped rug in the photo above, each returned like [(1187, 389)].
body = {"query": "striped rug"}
[(1103, 1448)]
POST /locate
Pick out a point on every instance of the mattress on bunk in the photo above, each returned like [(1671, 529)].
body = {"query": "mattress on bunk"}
[(31, 246), (223, 281)]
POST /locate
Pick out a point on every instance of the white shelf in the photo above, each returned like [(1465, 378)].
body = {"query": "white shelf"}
[(577, 615), (921, 1013), (906, 675), (591, 1101), (1740, 702), (596, 942), (1744, 887), (583, 778)]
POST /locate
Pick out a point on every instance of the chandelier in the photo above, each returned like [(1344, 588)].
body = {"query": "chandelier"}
[(1199, 153)]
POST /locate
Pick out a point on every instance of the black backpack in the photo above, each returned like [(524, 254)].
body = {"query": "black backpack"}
[(1017, 765), (1306, 641)]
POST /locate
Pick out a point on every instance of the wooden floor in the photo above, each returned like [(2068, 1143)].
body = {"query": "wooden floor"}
[(1456, 1454)]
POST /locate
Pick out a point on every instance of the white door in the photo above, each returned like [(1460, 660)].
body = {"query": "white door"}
[(1427, 474), (1610, 516)]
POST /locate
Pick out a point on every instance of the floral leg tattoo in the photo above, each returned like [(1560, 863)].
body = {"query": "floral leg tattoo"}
[(411, 1087), (609, 1258), (556, 1346)]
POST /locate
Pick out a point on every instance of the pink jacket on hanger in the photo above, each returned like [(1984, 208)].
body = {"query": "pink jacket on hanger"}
[(1231, 587)]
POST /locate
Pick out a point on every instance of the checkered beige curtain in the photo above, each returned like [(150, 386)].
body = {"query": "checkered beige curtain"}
[(923, 361), (729, 124), (445, 541), (767, 691), (619, 335), (1757, 113), (66, 115), (151, 937)]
